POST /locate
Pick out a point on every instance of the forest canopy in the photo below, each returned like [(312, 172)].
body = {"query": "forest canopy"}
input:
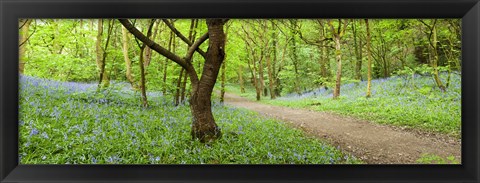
[(337, 65)]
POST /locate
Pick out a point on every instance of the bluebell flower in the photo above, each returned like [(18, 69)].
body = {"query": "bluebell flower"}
[(34, 131), (45, 135)]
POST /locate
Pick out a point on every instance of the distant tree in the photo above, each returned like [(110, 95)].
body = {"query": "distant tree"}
[(142, 46), (337, 34), (128, 62), (24, 26), (357, 44), (432, 38), (102, 52), (369, 56), (256, 40)]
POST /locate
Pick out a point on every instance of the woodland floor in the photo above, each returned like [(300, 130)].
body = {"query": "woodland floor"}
[(368, 141)]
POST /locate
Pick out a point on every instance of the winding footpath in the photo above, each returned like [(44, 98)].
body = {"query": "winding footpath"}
[(371, 142)]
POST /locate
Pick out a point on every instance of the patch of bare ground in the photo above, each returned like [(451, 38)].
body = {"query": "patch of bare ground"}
[(371, 142)]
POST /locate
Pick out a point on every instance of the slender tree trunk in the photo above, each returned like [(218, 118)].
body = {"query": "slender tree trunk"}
[(385, 67), (324, 62), (191, 38), (128, 62), (257, 84), (435, 60), (295, 64), (177, 92), (102, 54), (24, 27), (358, 53), (142, 74), (165, 66), (273, 93), (270, 77), (148, 51), (338, 55), (240, 79), (271, 80), (369, 57), (98, 45), (184, 87)]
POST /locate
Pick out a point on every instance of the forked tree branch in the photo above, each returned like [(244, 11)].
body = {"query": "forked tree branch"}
[(182, 37), (153, 45)]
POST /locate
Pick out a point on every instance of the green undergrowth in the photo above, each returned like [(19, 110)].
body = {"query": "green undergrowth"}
[(73, 123), (435, 159), (395, 101)]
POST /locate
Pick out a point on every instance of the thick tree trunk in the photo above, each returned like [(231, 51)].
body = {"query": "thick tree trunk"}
[(24, 26), (338, 55), (369, 56), (204, 127)]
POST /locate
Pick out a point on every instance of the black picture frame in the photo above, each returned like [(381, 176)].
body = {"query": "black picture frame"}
[(11, 11)]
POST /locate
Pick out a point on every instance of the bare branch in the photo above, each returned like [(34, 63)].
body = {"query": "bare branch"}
[(154, 46), (182, 37), (195, 46)]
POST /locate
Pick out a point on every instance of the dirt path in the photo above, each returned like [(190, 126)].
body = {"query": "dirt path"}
[(373, 143)]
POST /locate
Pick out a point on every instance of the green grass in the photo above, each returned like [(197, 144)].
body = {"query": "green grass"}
[(435, 159), (72, 123), (394, 101)]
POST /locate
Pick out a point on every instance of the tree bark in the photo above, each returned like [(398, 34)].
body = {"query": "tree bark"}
[(337, 35), (338, 57), (240, 79), (165, 65), (295, 63), (204, 127), (369, 57), (177, 89), (435, 59), (128, 62), (142, 77), (358, 53), (24, 26), (184, 88), (98, 46), (102, 52), (148, 51), (222, 90)]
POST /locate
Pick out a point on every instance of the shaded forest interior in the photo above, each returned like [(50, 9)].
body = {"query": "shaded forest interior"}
[(271, 60)]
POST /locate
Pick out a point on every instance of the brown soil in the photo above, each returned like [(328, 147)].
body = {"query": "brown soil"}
[(371, 142)]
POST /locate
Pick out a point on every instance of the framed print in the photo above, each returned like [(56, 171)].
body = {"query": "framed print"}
[(344, 91)]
